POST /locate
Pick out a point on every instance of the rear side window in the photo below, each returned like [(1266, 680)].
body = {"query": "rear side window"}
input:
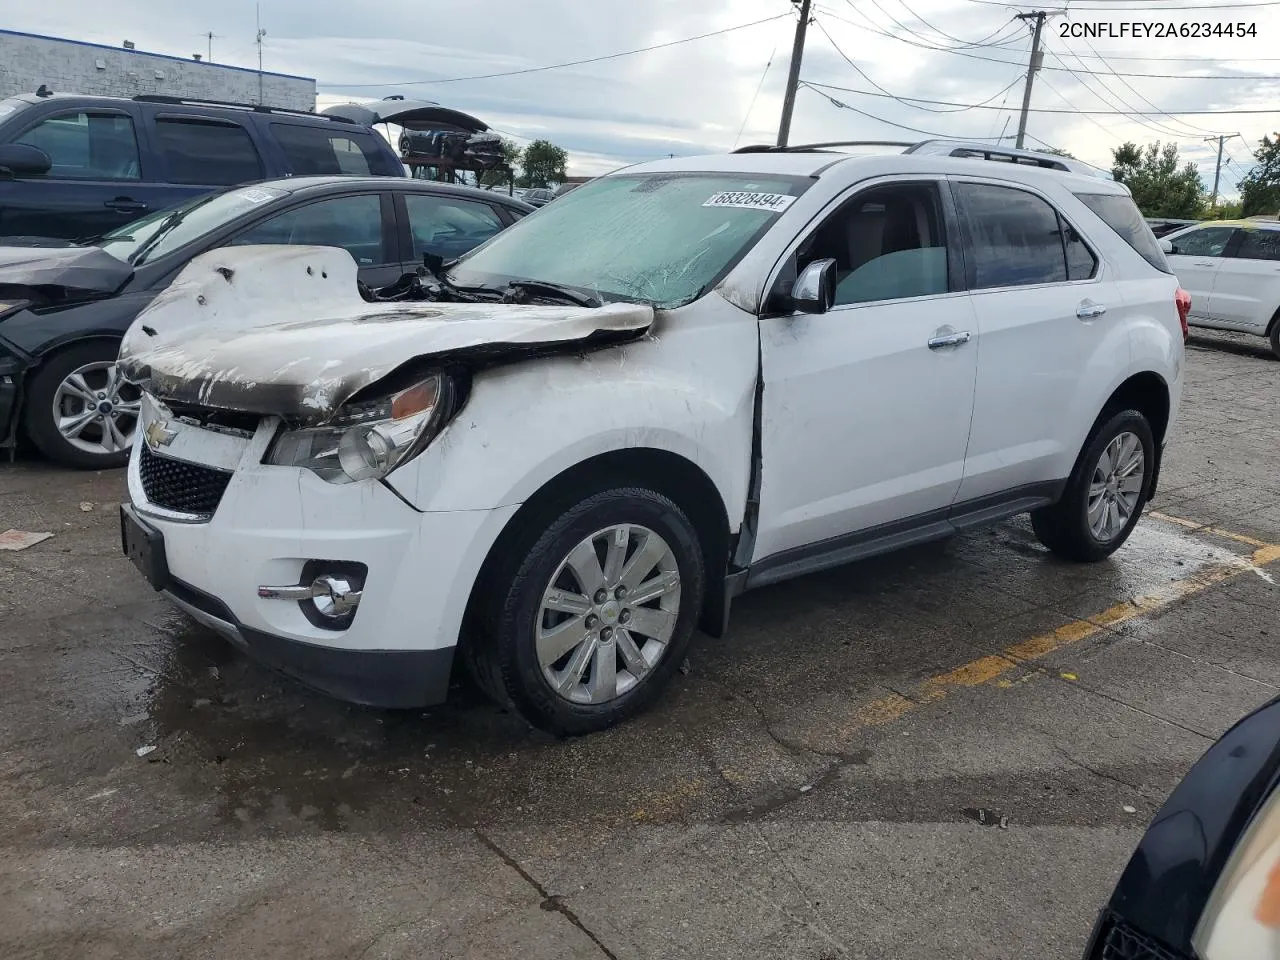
[(1260, 245), (207, 152), (1016, 239), (1121, 215), (448, 227), (87, 146), (318, 151)]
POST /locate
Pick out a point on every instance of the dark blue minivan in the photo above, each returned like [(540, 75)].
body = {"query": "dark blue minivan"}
[(75, 167)]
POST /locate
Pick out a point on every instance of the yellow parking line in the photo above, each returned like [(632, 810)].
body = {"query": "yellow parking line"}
[(991, 669)]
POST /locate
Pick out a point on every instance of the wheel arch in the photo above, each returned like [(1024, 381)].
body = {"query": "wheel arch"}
[(1148, 393), (670, 474)]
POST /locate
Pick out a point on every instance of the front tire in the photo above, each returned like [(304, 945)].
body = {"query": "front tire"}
[(78, 412), (1105, 494), (1275, 337), (589, 611)]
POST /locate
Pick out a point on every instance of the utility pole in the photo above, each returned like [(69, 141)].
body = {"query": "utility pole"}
[(261, 33), (793, 78), (1037, 58), (1217, 171)]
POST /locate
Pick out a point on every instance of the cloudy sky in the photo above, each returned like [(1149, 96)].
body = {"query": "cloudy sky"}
[(711, 94)]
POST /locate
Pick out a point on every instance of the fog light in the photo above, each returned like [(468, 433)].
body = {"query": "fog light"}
[(335, 597)]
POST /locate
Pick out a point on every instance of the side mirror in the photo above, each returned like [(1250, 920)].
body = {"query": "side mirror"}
[(815, 289), (1168, 247), (18, 159)]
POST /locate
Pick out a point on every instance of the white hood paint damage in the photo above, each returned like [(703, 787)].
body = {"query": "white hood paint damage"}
[(283, 330)]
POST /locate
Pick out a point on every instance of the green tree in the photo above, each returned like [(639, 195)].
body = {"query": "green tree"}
[(1260, 187), (1225, 211), (1161, 188), (1057, 152), (544, 164), (498, 178)]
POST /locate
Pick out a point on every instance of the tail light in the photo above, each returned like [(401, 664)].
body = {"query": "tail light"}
[(1182, 300)]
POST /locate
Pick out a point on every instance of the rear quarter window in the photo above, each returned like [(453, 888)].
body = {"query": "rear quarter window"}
[(1121, 214), (325, 151)]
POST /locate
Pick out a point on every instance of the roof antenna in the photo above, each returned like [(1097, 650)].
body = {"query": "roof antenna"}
[(44, 91)]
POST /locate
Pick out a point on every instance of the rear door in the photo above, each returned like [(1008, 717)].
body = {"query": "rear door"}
[(444, 225), (96, 182), (1042, 301), (1195, 260), (361, 223), (201, 152), (1246, 294)]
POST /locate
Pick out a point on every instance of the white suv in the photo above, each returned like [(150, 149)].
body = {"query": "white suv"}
[(680, 381), (1231, 268)]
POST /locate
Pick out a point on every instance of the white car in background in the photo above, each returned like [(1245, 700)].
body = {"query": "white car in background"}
[(1231, 268), (683, 380)]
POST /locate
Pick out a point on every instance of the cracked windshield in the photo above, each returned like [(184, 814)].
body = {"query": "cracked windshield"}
[(661, 239)]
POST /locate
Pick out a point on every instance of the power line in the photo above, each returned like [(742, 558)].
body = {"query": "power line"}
[(755, 96), (964, 43), (1124, 104), (570, 63), (1061, 96), (1095, 113), (872, 28), (1162, 10), (903, 100), (891, 123)]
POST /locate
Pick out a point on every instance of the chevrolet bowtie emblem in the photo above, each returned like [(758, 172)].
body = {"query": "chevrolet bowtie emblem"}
[(158, 435)]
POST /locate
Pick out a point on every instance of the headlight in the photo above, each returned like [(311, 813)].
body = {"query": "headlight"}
[(366, 441), (1242, 919)]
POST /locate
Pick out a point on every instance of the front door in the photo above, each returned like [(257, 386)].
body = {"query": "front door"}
[(864, 422), (1197, 256)]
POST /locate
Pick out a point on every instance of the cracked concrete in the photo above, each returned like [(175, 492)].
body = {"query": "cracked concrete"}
[(932, 754)]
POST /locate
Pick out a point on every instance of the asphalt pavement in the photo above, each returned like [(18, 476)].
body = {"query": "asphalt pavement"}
[(950, 752)]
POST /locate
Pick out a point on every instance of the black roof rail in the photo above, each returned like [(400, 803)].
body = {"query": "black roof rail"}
[(988, 152), (807, 147), (256, 108)]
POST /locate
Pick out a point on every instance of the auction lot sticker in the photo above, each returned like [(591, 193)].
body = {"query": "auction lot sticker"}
[(748, 200)]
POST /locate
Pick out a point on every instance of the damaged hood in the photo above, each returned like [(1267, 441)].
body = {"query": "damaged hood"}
[(89, 271), (283, 330)]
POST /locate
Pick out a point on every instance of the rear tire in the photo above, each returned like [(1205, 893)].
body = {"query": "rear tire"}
[(1275, 337), (1105, 493), (563, 631)]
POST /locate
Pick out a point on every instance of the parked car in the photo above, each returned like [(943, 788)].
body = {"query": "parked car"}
[(66, 307), (539, 196), (1162, 226), (696, 377), (564, 188), (1204, 882), (78, 166), (1231, 268)]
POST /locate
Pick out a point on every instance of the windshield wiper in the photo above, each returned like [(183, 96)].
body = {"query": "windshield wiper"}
[(523, 288)]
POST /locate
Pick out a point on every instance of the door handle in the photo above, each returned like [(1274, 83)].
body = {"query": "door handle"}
[(948, 340), (1090, 310), (125, 205), (1204, 263)]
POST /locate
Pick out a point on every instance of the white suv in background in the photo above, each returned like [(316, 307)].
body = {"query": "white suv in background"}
[(683, 380), (1231, 268)]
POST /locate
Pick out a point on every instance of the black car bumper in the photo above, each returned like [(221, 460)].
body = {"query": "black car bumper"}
[(12, 371), (388, 679)]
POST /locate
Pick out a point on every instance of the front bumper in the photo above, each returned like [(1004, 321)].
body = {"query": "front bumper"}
[(12, 371), (272, 525)]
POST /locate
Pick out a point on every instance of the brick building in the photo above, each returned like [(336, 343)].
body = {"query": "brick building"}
[(70, 66)]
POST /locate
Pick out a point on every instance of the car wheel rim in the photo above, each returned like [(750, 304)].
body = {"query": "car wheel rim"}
[(1116, 486), (608, 614), (96, 411)]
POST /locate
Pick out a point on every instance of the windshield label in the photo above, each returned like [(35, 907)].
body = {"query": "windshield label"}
[(745, 200), (256, 195)]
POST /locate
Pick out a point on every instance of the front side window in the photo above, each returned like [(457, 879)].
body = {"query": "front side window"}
[(87, 146), (1260, 245), (659, 238), (888, 244), (352, 223), (1207, 242), (207, 152), (448, 227), (318, 151), (1015, 238)]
